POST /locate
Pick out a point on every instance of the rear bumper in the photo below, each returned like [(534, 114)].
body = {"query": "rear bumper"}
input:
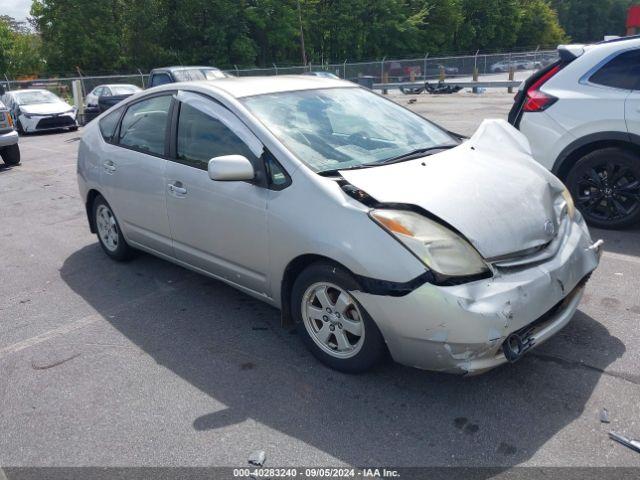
[(8, 138), (546, 137), (461, 329)]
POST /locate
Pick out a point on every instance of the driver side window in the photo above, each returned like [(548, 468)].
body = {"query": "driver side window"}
[(202, 137)]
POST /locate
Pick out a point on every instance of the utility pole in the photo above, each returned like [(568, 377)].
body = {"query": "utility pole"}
[(304, 53)]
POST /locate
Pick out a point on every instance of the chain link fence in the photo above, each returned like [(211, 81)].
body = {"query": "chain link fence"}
[(386, 71)]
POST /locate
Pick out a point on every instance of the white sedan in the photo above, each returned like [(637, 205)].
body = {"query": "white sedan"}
[(38, 110)]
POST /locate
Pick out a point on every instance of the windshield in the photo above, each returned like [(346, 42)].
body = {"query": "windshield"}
[(342, 128), (124, 89), (35, 96), (192, 74)]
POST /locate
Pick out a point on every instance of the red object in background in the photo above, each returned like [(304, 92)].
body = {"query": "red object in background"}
[(633, 18)]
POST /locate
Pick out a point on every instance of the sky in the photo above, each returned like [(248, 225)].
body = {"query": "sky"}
[(18, 9)]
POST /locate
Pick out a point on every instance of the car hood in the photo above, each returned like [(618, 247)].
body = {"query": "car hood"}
[(46, 108), (489, 189)]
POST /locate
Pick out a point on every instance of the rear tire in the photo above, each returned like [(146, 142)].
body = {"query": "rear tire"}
[(11, 154), (108, 230), (605, 185), (333, 325)]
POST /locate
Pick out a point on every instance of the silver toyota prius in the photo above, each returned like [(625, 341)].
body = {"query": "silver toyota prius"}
[(372, 229)]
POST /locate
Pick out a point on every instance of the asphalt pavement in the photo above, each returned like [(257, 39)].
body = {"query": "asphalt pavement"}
[(148, 364)]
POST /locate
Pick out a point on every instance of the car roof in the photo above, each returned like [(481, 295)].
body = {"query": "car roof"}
[(183, 67), (118, 85), (239, 87), (28, 90)]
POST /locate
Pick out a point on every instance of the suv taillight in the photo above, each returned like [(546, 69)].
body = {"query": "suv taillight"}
[(537, 101)]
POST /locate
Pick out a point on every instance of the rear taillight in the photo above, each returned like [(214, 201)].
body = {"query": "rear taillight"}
[(537, 101)]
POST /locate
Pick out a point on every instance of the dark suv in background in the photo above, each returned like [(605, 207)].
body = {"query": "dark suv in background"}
[(161, 76)]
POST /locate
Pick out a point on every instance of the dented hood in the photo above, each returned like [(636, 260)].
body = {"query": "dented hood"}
[(489, 188)]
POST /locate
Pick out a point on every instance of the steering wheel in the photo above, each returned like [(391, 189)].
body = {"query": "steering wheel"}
[(358, 138)]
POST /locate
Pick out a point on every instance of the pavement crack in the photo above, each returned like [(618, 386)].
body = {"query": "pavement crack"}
[(54, 364), (565, 362)]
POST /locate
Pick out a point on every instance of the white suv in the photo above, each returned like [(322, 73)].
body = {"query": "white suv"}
[(582, 118)]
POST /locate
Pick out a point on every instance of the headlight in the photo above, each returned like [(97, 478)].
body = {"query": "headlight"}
[(28, 115), (568, 199), (440, 249)]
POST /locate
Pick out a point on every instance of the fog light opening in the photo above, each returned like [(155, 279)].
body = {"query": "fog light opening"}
[(516, 345)]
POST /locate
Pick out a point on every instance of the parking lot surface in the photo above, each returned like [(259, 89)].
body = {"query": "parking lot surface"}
[(146, 363)]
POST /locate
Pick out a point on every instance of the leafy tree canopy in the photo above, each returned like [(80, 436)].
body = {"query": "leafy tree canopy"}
[(124, 35)]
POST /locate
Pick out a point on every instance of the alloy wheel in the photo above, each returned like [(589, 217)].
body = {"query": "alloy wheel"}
[(607, 192), (333, 320), (107, 227)]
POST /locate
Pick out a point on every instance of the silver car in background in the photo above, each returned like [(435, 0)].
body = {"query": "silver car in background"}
[(9, 149), (110, 90), (371, 228)]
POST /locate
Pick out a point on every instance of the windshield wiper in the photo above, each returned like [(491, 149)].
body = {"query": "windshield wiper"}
[(329, 173), (420, 152)]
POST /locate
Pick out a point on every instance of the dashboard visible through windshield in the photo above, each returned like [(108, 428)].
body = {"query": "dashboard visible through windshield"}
[(341, 128)]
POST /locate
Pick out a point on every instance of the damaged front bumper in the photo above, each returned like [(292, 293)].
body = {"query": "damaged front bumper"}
[(461, 329)]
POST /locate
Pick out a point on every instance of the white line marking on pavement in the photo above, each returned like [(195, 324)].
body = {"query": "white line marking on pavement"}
[(622, 257), (43, 337), (162, 290), (44, 149)]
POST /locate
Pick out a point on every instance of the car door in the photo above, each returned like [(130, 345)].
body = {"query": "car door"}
[(133, 170), (632, 104), (219, 227)]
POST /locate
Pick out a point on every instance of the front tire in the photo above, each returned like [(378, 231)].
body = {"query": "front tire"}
[(333, 325), (605, 185), (11, 154), (108, 230)]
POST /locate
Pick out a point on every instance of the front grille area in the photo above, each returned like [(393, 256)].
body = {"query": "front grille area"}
[(536, 255), (55, 122)]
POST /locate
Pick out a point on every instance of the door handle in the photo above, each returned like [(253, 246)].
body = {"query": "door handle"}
[(177, 188), (109, 166)]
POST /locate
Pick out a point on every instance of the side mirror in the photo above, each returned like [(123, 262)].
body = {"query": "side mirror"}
[(231, 168)]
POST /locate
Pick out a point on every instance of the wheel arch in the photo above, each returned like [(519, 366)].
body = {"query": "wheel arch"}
[(293, 269), (591, 143), (92, 194)]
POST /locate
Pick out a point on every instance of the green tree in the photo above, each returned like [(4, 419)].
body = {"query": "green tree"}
[(20, 49), (591, 20), (539, 24), (489, 25), (77, 33), (274, 29)]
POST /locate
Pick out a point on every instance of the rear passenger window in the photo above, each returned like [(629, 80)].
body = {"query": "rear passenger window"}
[(108, 124), (621, 72), (202, 137), (144, 125), (160, 79)]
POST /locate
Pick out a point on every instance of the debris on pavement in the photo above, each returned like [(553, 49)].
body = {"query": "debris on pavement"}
[(604, 415), (257, 458), (632, 444), (441, 88)]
